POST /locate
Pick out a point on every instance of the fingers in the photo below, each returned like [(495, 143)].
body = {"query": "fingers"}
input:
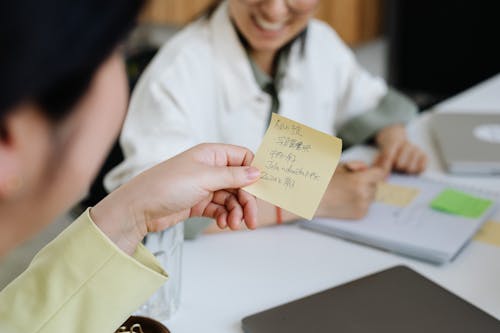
[(226, 210), (367, 183), (406, 158), (373, 175), (403, 160), (356, 166), (423, 163), (249, 204), (227, 166), (419, 163), (386, 158), (352, 194), (230, 208), (235, 216), (221, 171), (216, 212), (218, 154), (411, 159), (219, 178), (414, 166)]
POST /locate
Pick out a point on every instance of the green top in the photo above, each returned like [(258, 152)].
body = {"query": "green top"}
[(268, 84), (272, 85)]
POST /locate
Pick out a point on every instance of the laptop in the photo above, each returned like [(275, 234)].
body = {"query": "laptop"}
[(392, 301), (468, 143)]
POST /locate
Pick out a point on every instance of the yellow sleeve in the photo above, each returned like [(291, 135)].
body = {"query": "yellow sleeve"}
[(81, 282)]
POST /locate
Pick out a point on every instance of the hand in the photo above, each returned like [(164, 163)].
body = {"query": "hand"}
[(397, 153), (351, 191), (203, 181)]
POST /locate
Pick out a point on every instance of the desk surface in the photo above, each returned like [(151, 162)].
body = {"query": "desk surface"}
[(229, 276)]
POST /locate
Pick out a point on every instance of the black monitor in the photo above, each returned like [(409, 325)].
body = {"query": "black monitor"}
[(438, 48)]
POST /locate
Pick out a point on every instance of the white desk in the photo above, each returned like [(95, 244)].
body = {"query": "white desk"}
[(229, 276)]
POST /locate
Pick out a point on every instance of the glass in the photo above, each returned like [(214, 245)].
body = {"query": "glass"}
[(167, 248)]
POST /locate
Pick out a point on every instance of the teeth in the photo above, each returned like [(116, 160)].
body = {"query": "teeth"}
[(268, 25)]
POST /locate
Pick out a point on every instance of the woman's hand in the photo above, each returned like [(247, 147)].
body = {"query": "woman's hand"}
[(398, 153), (203, 181), (351, 191)]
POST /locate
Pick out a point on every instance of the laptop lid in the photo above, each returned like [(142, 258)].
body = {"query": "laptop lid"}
[(468, 143), (392, 301)]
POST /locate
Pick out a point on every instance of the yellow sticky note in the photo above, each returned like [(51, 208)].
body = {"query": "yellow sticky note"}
[(489, 233), (395, 195), (296, 164)]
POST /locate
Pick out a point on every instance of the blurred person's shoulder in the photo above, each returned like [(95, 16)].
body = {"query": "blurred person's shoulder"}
[(190, 49), (321, 37)]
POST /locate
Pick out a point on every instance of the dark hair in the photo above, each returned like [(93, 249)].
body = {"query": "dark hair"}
[(50, 49), (210, 9)]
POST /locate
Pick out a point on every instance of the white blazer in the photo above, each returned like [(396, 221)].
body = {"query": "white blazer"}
[(200, 88)]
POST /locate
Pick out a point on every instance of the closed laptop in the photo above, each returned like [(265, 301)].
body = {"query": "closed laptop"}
[(468, 143), (392, 301)]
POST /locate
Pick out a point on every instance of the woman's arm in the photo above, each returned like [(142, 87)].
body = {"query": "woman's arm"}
[(392, 109), (91, 277), (385, 125), (169, 105), (80, 282)]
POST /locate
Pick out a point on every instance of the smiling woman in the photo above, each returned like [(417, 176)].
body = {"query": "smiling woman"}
[(221, 78), (269, 25)]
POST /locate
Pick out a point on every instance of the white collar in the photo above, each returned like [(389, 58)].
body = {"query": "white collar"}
[(230, 55)]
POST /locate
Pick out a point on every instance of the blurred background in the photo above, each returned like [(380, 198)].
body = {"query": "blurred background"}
[(428, 49)]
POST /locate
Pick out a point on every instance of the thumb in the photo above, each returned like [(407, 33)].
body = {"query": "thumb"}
[(219, 178), (375, 174), (356, 166), (385, 159)]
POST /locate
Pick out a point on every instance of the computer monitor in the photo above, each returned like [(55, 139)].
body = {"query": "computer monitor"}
[(439, 48)]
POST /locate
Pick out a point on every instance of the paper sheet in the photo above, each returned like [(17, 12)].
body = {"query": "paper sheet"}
[(395, 195), (489, 233), (296, 164), (459, 203)]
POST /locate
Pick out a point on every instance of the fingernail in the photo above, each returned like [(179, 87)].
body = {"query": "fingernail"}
[(252, 173)]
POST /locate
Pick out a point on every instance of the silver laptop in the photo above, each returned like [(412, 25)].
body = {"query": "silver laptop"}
[(468, 143)]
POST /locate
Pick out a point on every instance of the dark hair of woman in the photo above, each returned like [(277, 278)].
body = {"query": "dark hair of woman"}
[(211, 8), (50, 49)]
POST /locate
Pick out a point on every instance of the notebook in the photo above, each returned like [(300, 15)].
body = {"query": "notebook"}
[(468, 143), (392, 301), (418, 217)]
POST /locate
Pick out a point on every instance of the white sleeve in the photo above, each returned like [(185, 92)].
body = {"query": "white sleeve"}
[(359, 90), (160, 119)]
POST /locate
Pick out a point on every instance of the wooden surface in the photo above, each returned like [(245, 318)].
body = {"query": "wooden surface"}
[(173, 12), (356, 21)]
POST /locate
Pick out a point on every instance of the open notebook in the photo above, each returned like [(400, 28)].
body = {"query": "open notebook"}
[(402, 219)]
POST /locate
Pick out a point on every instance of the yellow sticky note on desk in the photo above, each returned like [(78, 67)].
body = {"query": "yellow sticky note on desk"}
[(489, 233), (296, 164), (395, 195)]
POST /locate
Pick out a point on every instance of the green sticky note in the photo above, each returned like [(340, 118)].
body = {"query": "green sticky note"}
[(458, 203)]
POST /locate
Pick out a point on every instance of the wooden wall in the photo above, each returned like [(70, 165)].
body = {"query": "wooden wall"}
[(356, 21)]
